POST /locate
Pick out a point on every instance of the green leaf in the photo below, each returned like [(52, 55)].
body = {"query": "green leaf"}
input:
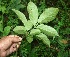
[(44, 38), (20, 6), (0, 7), (48, 30), (48, 15), (33, 12), (35, 31), (28, 25), (3, 8), (19, 29), (29, 38), (1, 26), (21, 16), (17, 1), (6, 30)]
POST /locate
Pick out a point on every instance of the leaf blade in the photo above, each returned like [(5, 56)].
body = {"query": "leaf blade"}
[(6, 30), (21, 16), (28, 25), (35, 31), (19, 29), (29, 38), (47, 30), (33, 12), (48, 15), (44, 38)]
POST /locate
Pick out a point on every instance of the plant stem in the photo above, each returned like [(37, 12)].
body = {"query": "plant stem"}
[(2, 18)]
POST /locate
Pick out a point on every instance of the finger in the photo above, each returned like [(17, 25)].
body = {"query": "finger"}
[(6, 42), (9, 51), (13, 48), (3, 54), (19, 43), (15, 38)]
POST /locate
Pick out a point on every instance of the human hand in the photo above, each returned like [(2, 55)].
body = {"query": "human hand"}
[(9, 44)]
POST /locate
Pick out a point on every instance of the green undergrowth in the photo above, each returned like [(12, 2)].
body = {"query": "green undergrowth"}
[(59, 46)]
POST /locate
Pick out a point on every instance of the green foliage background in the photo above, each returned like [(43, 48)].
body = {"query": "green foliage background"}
[(60, 46)]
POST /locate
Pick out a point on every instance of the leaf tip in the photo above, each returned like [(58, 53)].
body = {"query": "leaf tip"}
[(13, 9)]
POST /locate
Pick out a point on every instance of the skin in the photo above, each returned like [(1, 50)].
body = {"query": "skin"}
[(9, 44)]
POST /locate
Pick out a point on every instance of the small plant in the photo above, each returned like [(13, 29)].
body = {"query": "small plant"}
[(34, 27), (6, 30)]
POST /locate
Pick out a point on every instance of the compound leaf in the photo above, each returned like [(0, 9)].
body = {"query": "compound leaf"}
[(48, 15), (33, 12), (44, 38), (48, 30), (21, 16), (35, 31), (19, 29)]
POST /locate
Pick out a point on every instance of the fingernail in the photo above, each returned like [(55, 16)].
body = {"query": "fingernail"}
[(17, 46), (11, 35), (16, 36), (20, 38), (19, 43)]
